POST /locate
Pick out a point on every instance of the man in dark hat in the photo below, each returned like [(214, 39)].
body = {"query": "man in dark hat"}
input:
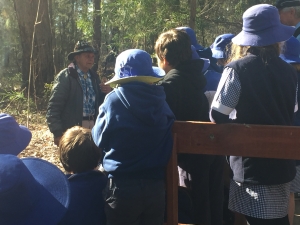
[(76, 95), (289, 11)]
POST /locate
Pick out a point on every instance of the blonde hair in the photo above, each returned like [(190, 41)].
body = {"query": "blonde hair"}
[(265, 52)]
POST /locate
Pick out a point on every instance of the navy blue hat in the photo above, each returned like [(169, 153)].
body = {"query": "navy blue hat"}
[(218, 48), (262, 27), (32, 191), (14, 138), (280, 4), (192, 36), (291, 51), (196, 56), (135, 65), (81, 47)]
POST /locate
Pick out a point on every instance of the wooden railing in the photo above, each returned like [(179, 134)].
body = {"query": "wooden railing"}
[(227, 139)]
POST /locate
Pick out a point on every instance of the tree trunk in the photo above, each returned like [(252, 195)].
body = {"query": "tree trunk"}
[(42, 70), (193, 7), (97, 32)]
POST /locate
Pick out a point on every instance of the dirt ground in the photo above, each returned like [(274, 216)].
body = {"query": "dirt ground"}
[(41, 145)]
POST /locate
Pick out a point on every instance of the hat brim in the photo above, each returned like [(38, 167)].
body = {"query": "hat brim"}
[(263, 38), (71, 55), (290, 59), (218, 54), (54, 193), (23, 139), (157, 75)]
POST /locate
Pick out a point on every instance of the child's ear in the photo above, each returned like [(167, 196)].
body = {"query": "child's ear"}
[(165, 62)]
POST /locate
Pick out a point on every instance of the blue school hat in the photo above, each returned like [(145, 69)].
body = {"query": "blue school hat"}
[(32, 191), (262, 27), (218, 48), (291, 51), (192, 36), (14, 138), (135, 65), (196, 56)]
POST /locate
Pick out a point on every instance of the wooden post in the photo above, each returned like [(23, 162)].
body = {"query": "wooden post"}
[(172, 187), (227, 139)]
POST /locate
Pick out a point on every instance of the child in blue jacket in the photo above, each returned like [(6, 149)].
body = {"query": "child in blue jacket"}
[(133, 129), (80, 157)]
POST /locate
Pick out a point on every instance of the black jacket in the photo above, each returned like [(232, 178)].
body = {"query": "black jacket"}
[(184, 91), (65, 107), (268, 95)]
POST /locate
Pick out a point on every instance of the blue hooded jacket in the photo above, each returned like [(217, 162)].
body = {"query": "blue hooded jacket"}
[(86, 200), (133, 129)]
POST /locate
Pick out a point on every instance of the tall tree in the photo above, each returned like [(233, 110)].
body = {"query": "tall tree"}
[(97, 31), (33, 19), (193, 7)]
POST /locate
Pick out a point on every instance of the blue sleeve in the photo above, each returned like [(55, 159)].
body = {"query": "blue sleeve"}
[(100, 130)]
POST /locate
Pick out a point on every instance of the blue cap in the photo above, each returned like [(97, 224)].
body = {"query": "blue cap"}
[(218, 48), (192, 36), (291, 51)]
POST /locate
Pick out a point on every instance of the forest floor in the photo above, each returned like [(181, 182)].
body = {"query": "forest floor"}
[(41, 144)]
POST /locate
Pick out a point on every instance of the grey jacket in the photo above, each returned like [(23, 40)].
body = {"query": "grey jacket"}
[(65, 107)]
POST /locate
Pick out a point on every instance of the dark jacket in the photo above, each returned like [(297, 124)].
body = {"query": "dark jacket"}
[(184, 91), (86, 199), (65, 107), (268, 95), (134, 130)]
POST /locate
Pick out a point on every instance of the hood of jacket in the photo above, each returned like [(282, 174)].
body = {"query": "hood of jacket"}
[(146, 102), (192, 70)]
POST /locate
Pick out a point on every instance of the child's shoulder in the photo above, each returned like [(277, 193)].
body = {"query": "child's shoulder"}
[(93, 176)]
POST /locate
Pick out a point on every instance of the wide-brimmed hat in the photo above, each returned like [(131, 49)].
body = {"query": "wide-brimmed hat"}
[(218, 48), (14, 138), (135, 65), (280, 4), (291, 51), (32, 191), (81, 47), (262, 27), (192, 36)]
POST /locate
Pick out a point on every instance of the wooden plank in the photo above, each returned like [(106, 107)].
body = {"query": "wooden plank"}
[(238, 139), (172, 187)]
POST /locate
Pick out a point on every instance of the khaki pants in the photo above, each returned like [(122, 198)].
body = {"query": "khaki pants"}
[(88, 124)]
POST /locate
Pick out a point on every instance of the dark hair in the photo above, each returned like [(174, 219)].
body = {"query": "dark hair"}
[(77, 150), (174, 46)]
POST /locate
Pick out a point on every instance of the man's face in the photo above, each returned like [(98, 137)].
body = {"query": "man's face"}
[(85, 61), (287, 16)]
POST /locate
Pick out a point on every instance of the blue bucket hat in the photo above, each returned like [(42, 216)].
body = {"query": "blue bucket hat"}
[(135, 65), (192, 36), (218, 48), (32, 191), (262, 27), (14, 138), (291, 51)]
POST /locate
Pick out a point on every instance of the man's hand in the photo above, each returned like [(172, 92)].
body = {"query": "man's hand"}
[(56, 141)]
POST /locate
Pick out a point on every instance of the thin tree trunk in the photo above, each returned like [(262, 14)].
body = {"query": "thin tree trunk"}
[(193, 7), (97, 31)]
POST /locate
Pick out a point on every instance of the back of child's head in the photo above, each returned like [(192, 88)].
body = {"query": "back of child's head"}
[(174, 46), (77, 150)]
